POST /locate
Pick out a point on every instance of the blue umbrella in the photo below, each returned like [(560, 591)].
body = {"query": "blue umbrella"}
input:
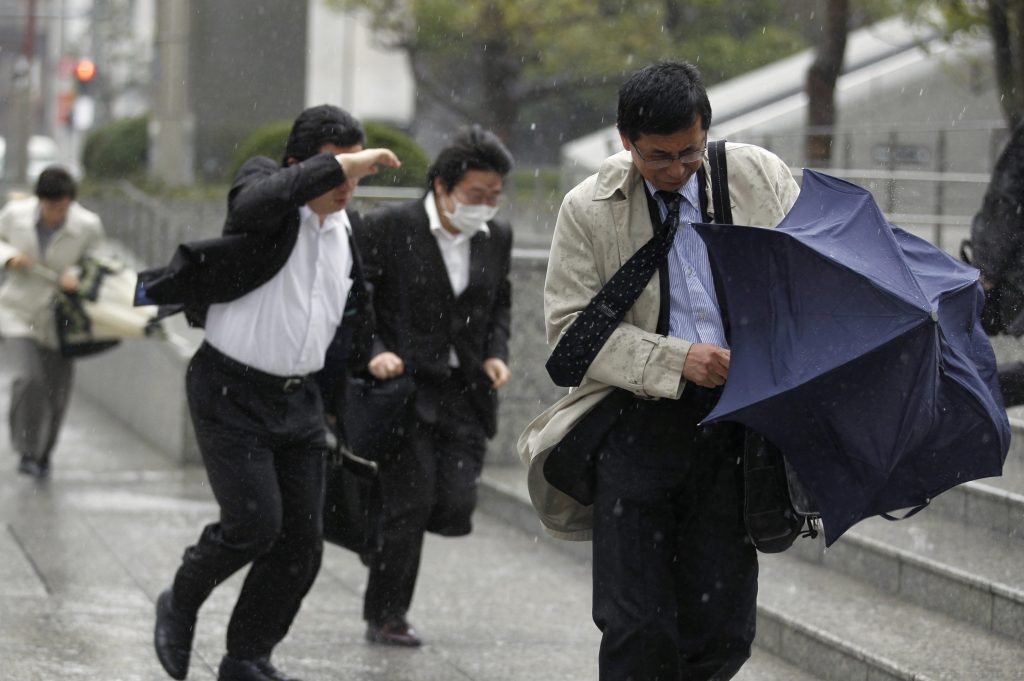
[(857, 350)]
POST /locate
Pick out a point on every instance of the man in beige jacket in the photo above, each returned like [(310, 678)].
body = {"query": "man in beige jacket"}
[(46, 233), (675, 578)]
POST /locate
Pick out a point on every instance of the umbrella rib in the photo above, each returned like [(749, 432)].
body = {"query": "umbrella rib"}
[(828, 373), (877, 285)]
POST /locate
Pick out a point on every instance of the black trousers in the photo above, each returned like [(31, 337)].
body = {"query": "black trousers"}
[(675, 577), (429, 484), (264, 450), (39, 396), (1011, 383)]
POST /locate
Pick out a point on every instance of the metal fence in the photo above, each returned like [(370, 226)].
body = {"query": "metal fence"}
[(929, 180)]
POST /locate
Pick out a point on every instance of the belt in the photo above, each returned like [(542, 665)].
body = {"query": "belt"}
[(285, 384)]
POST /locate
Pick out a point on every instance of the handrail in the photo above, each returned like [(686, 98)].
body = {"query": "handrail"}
[(905, 175)]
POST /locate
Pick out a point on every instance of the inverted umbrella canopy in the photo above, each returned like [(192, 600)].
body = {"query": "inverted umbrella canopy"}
[(857, 350)]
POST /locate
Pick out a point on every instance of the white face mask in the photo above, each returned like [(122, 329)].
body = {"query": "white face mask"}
[(469, 219)]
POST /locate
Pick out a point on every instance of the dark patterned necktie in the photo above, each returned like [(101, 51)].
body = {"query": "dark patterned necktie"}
[(590, 330)]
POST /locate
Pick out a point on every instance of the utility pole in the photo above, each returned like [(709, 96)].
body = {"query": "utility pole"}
[(17, 145), (172, 151)]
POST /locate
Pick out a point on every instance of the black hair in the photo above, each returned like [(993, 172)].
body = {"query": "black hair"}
[(320, 125), (663, 99), (55, 183), (472, 148)]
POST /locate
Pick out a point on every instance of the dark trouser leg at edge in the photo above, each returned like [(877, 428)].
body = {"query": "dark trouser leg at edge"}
[(1011, 383), (39, 400), (675, 580), (428, 485), (266, 471)]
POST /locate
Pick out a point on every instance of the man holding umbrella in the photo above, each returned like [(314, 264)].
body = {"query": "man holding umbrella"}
[(675, 578)]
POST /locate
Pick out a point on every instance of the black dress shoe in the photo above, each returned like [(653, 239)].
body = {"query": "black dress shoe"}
[(233, 669), (393, 632), (172, 637)]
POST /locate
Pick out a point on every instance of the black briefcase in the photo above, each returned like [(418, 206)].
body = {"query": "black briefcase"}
[(352, 502), (570, 466), (777, 507)]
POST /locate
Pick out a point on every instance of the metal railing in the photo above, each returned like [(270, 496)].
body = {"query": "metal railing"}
[(934, 204), (952, 197)]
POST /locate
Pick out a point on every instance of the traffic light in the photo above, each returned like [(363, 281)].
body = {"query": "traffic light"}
[(85, 76)]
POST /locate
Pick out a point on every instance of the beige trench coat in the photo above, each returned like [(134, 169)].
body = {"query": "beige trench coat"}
[(602, 222), (25, 298)]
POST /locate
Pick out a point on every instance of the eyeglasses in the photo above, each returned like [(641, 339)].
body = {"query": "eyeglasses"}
[(660, 161), (475, 197)]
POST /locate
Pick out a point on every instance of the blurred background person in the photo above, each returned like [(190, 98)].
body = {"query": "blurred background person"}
[(997, 249), (51, 232)]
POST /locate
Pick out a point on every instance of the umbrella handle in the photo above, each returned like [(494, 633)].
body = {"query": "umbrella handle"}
[(911, 512)]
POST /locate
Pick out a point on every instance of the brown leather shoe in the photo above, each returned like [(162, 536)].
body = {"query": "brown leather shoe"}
[(394, 632)]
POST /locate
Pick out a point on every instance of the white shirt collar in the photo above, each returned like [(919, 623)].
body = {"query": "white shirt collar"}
[(337, 220)]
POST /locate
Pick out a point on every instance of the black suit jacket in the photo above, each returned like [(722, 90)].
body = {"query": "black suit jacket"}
[(260, 231), (418, 316)]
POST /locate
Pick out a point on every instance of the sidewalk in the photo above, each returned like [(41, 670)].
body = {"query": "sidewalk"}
[(84, 554)]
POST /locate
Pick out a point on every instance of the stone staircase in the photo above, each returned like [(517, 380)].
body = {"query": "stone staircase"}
[(937, 597)]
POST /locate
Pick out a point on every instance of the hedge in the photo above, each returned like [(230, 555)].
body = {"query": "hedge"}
[(269, 140), (117, 150)]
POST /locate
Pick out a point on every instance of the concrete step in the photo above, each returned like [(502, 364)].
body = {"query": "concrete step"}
[(995, 504), (842, 629), (930, 598), (503, 495), (1016, 416), (935, 562), (764, 666)]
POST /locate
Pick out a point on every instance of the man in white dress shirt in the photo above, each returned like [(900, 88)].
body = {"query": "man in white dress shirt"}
[(257, 412)]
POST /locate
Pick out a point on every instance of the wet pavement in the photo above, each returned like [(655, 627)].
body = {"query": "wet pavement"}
[(84, 554)]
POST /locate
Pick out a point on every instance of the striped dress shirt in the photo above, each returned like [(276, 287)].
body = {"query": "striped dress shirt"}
[(693, 311)]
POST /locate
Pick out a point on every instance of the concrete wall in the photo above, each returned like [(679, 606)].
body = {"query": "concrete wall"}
[(142, 383)]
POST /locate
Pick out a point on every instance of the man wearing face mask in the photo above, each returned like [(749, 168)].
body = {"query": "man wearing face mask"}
[(438, 271)]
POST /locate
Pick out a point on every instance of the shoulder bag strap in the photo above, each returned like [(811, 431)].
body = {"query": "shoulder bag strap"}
[(719, 182)]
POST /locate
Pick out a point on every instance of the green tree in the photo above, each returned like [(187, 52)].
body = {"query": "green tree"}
[(821, 80), (1004, 22), (117, 150), (489, 61)]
